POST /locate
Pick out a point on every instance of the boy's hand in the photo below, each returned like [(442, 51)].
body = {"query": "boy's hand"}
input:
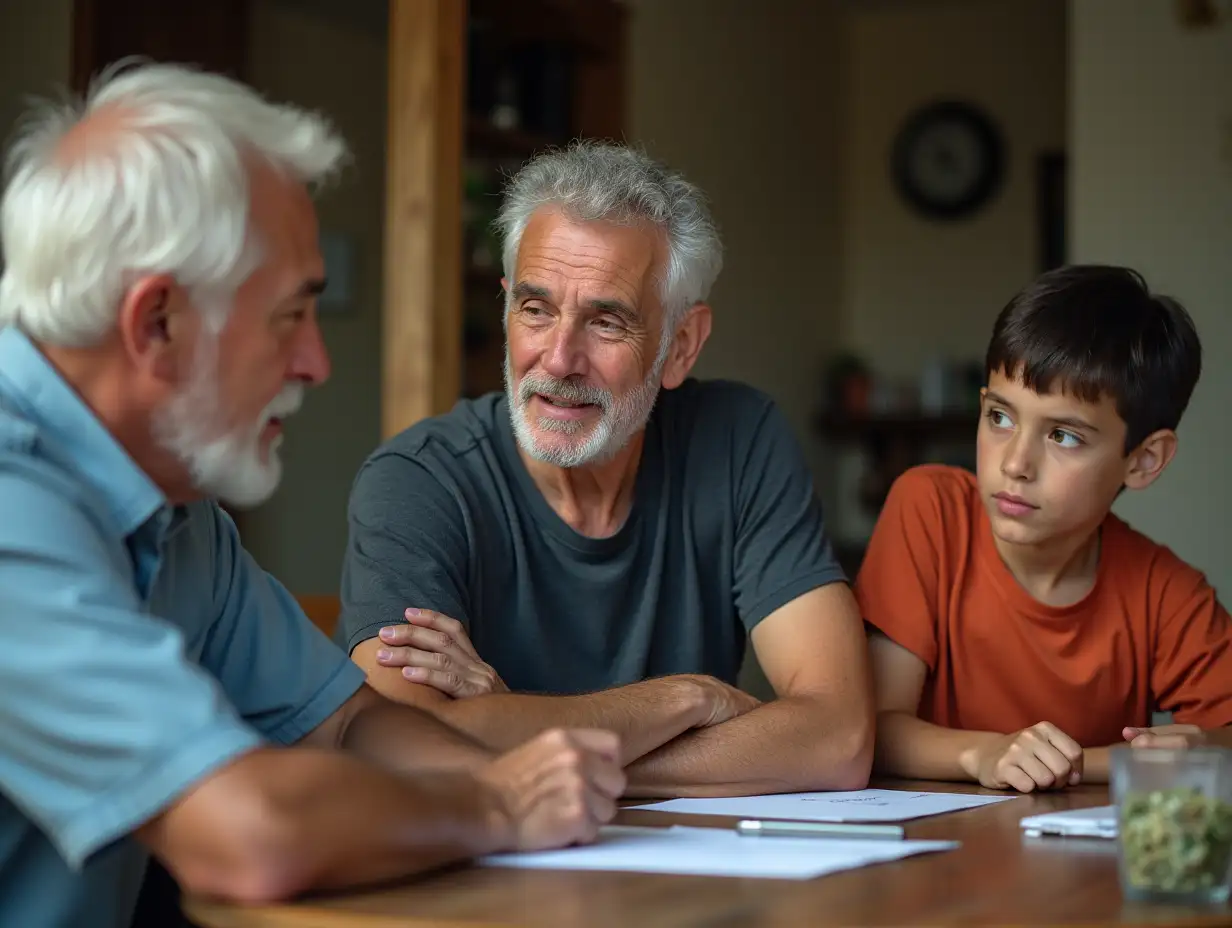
[(1039, 757), (1165, 736)]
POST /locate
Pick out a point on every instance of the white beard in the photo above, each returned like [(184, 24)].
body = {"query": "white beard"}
[(228, 467), (621, 418)]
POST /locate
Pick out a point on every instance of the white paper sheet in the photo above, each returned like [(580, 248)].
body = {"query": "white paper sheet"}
[(717, 852), (865, 805), (1093, 822)]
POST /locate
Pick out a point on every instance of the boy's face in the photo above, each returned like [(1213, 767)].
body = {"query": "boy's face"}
[(1049, 465)]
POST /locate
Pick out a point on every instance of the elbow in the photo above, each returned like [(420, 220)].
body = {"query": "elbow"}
[(257, 856), (857, 759), (850, 758)]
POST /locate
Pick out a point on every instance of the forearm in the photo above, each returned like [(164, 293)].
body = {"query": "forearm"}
[(794, 744), (407, 739), (364, 825), (1096, 764), (912, 748), (280, 822), (645, 715)]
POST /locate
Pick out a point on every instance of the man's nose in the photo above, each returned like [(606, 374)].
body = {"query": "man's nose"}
[(310, 363), (565, 354)]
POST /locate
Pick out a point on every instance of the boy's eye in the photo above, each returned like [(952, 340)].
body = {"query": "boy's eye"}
[(999, 419), (1066, 439)]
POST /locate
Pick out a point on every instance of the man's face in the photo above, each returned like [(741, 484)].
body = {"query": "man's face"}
[(1049, 465), (225, 423), (583, 362)]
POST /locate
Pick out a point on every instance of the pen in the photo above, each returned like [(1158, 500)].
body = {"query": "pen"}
[(751, 827)]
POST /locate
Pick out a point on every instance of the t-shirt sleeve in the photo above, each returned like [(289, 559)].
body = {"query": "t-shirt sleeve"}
[(1191, 674), (781, 547), (283, 674), (896, 587), (105, 722), (406, 547)]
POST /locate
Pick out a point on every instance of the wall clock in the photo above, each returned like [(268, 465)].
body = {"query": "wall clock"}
[(948, 160)]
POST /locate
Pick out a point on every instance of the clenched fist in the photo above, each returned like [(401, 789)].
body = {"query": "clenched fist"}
[(1039, 757), (558, 788)]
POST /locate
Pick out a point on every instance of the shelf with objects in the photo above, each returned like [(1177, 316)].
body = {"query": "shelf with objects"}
[(539, 74), (892, 425)]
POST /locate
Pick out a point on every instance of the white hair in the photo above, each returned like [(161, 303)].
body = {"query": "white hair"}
[(163, 188), (593, 181)]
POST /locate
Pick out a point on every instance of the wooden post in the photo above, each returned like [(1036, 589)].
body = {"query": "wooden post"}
[(422, 309)]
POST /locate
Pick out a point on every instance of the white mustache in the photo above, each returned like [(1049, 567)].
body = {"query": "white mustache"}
[(286, 403)]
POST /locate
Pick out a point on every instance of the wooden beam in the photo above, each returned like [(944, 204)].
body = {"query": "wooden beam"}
[(422, 307)]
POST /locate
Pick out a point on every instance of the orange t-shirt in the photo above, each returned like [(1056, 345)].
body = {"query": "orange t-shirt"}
[(1149, 636)]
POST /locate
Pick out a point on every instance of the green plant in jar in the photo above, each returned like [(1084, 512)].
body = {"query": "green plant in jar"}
[(1175, 840)]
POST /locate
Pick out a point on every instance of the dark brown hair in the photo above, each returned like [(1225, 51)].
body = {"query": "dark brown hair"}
[(1097, 330)]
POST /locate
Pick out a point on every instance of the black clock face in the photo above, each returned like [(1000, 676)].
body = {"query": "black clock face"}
[(948, 160)]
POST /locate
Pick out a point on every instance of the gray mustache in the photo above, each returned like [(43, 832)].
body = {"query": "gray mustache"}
[(567, 390)]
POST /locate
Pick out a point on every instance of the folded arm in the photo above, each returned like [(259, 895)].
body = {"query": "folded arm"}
[(645, 715), (818, 733), (908, 746)]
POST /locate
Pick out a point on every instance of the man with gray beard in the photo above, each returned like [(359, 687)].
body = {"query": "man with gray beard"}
[(597, 543), (162, 695)]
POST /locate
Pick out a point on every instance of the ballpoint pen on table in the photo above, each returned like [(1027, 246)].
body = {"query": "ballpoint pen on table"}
[(780, 829)]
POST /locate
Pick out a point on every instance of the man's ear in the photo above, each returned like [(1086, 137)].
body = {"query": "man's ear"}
[(687, 344), (1146, 462), (152, 326)]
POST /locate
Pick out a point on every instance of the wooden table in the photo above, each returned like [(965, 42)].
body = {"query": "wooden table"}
[(998, 876)]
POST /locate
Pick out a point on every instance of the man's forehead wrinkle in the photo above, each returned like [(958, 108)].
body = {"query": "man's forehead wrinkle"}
[(580, 256)]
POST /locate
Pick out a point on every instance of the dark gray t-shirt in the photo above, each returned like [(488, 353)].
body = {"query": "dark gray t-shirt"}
[(724, 529)]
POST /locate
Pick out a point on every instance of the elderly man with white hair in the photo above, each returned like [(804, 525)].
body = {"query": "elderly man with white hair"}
[(160, 692), (595, 544)]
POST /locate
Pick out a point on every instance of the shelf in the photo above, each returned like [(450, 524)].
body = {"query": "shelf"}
[(944, 427), (483, 138)]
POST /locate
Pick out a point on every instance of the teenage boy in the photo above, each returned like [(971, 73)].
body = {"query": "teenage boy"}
[(1019, 628)]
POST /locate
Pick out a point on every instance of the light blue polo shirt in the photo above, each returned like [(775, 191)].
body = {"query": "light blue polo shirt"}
[(141, 648)]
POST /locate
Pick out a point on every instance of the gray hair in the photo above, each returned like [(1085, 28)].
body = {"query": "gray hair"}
[(592, 181)]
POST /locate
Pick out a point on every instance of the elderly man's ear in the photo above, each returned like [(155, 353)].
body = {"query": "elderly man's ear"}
[(691, 335), (155, 330)]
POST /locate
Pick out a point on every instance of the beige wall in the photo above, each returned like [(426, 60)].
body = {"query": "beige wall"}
[(329, 56), (744, 98), (1151, 130), (914, 287)]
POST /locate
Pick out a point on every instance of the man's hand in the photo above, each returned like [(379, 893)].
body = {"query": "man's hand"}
[(1165, 736), (723, 702), (435, 650), (558, 788), (1039, 757)]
